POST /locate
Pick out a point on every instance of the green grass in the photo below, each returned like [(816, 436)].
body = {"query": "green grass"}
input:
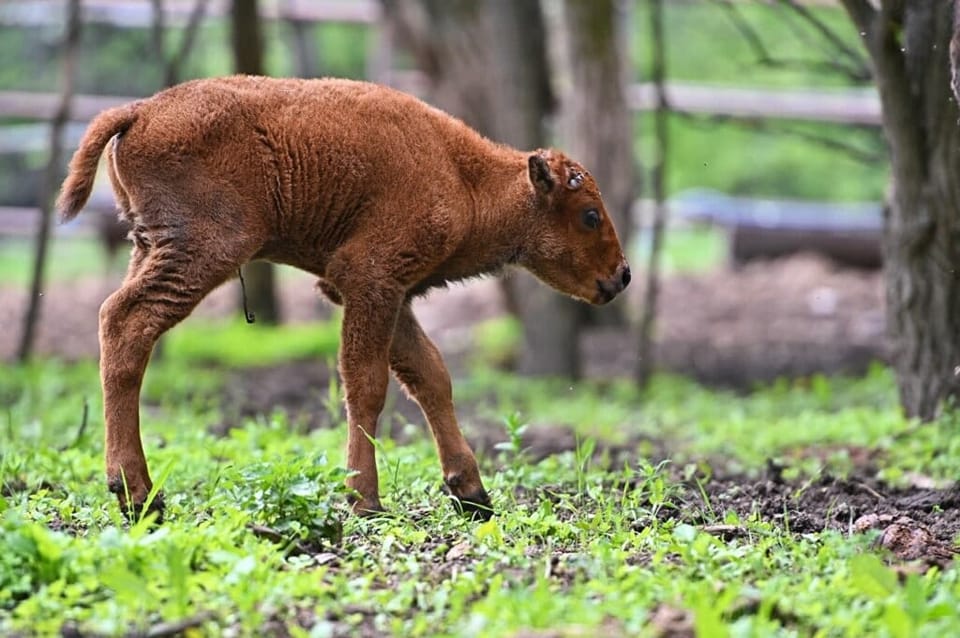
[(775, 419), (593, 557), (68, 260), (236, 343)]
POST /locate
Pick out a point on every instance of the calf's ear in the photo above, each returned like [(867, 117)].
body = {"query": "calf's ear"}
[(540, 174)]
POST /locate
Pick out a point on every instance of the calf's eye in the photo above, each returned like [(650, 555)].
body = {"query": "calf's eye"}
[(591, 219)]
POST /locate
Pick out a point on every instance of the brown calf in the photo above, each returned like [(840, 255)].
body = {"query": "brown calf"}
[(379, 195)]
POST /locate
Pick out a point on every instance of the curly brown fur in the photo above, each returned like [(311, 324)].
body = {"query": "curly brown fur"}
[(379, 195)]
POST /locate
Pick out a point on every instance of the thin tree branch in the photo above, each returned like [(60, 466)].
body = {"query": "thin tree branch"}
[(645, 359), (175, 63), (71, 45), (901, 124), (777, 127), (955, 52), (157, 28), (828, 34), (749, 34), (857, 71)]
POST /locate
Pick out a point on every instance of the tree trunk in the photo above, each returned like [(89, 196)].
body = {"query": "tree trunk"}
[(908, 44), (448, 41), (175, 63), (522, 100), (247, 41), (487, 64), (305, 53), (51, 177), (596, 123)]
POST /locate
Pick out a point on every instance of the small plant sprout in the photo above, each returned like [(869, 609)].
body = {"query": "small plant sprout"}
[(515, 427)]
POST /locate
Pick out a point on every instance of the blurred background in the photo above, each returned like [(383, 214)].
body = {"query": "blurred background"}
[(738, 144)]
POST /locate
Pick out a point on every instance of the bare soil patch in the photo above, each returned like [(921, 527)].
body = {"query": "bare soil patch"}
[(738, 327), (912, 524), (731, 327), (915, 523)]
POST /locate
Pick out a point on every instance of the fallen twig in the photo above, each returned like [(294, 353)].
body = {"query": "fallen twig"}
[(725, 532), (84, 418), (872, 492), (160, 630), (275, 536)]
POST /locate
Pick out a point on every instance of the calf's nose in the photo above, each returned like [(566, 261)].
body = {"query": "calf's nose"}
[(625, 277)]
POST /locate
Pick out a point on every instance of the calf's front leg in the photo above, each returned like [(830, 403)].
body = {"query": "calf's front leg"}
[(369, 317), (419, 367)]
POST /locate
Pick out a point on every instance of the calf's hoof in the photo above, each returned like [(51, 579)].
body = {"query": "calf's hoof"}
[(134, 511), (476, 504), (133, 504), (366, 507)]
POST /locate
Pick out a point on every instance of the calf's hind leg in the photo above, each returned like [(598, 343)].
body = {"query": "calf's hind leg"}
[(417, 364), (166, 280)]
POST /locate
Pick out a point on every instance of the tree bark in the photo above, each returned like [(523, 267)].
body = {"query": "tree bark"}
[(596, 122), (487, 64), (596, 125), (51, 177), (247, 42), (305, 52), (955, 52), (448, 40), (523, 100), (909, 47), (174, 65)]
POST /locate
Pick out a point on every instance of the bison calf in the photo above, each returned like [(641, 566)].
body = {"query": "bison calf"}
[(379, 195)]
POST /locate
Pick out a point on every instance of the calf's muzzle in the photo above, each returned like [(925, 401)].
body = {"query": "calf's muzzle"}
[(610, 288)]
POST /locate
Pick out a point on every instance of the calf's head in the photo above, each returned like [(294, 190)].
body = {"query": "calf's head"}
[(574, 246)]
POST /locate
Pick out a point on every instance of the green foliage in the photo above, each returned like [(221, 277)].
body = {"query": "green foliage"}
[(786, 418), (514, 428), (297, 499), (237, 343), (496, 342), (705, 44), (70, 259), (706, 47), (579, 545), (763, 162), (343, 50), (693, 249)]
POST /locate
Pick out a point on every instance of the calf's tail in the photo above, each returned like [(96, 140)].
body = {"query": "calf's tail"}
[(83, 167)]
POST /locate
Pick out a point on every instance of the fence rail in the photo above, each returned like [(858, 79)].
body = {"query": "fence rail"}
[(848, 106)]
